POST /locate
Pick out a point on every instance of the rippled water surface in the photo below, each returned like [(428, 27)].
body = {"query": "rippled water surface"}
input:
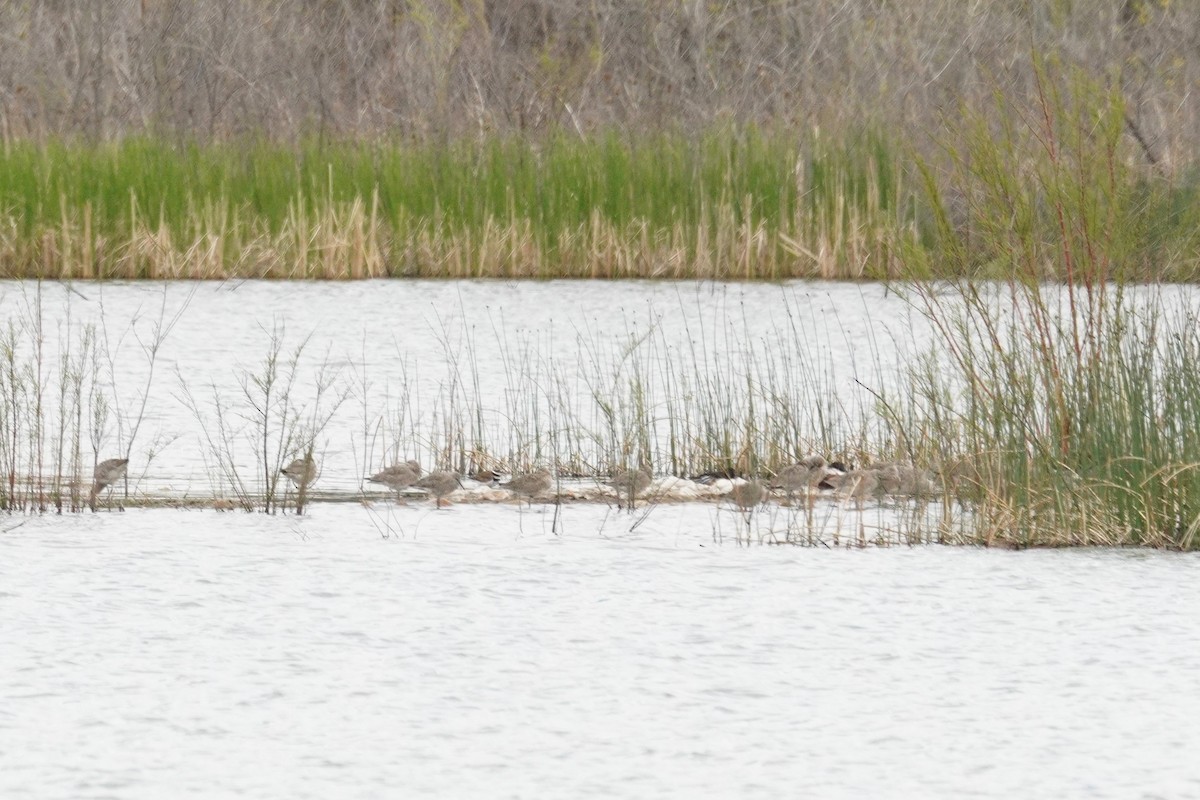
[(487, 651), (473, 652)]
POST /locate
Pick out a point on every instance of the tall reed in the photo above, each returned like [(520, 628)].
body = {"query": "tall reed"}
[(1070, 414), (732, 203), (278, 415), (58, 410)]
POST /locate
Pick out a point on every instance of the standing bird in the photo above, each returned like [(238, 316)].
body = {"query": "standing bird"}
[(857, 484), (302, 471), (530, 484), (398, 476), (439, 484), (963, 476), (629, 484), (747, 495), (107, 472)]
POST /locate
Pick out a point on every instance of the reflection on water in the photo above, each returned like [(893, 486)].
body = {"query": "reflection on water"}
[(471, 652)]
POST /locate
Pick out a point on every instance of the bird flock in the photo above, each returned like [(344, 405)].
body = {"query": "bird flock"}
[(806, 478)]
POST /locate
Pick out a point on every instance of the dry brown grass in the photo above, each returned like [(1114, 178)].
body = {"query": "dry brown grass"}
[(353, 241)]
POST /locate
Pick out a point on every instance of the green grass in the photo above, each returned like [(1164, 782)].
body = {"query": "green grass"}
[(1076, 404), (701, 198), (1045, 184)]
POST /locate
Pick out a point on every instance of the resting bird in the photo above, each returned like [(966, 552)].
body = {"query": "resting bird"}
[(905, 479), (530, 484), (709, 478), (489, 476), (857, 484), (803, 476)]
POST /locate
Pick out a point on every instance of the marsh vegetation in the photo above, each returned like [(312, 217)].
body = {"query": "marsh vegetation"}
[(1053, 158), (1023, 437), (1012, 193)]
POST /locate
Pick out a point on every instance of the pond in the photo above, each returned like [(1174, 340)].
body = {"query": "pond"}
[(374, 648), (471, 652)]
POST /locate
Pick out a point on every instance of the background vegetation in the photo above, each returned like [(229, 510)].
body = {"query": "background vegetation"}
[(441, 69), (306, 138), (737, 203)]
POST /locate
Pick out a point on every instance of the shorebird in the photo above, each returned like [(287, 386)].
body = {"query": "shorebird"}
[(630, 483), (904, 479), (302, 471), (439, 484), (489, 476), (107, 472), (530, 484), (398, 476), (747, 495), (804, 476), (857, 484)]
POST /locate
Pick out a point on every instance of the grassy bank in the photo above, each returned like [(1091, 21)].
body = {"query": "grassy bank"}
[(1028, 201), (741, 204)]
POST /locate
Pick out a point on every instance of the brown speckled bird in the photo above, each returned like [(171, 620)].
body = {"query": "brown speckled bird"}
[(302, 471), (630, 483), (439, 484), (529, 485), (398, 476), (747, 495), (107, 472)]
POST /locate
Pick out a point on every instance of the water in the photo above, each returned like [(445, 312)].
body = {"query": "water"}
[(409, 360), (471, 652), (485, 651), (407, 355)]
